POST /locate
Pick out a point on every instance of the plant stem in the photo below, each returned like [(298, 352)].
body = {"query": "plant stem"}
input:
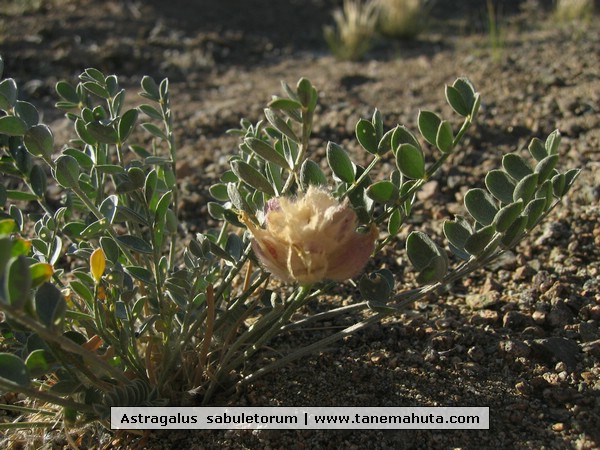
[(64, 343), (9, 386)]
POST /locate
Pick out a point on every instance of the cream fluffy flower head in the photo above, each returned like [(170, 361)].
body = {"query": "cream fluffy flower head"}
[(310, 238)]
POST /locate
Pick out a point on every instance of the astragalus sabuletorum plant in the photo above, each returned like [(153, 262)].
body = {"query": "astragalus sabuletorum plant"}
[(106, 303)]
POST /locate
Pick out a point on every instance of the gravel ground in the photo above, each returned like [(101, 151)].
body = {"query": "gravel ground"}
[(522, 337)]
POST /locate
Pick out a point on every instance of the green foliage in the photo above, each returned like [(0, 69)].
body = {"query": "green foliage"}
[(117, 309)]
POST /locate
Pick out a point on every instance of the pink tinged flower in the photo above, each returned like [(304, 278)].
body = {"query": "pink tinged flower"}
[(311, 238)]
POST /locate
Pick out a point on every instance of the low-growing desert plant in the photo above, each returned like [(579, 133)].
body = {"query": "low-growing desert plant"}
[(354, 30), (570, 10), (106, 303), (402, 19)]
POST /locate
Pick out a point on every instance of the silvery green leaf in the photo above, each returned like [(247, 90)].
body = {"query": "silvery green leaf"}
[(429, 123), (151, 111), (252, 177), (234, 246), (307, 94), (215, 210), (500, 185), (383, 192), (50, 305), (410, 161), (112, 85), (13, 369), (8, 94), (140, 273), (110, 248), (507, 215), (17, 282), (481, 206), (17, 215), (553, 142), (533, 211), (117, 101), (280, 124), (394, 222), (105, 134), (467, 93), (340, 163), (83, 133), (38, 180), (516, 166), (94, 229), (67, 171), (237, 199), (136, 176), (150, 185), (514, 232), (421, 250), (402, 135), (377, 287), (23, 160), (545, 191), (385, 143), (36, 363), (377, 122), (92, 74), (38, 141), (12, 126), (537, 149), (570, 177), (311, 174), (67, 92), (27, 112), (559, 184), (163, 205), (96, 89), (110, 169), (135, 243), (150, 89), (163, 87), (367, 136), (525, 189), (127, 124), (275, 176), (285, 104), (457, 232), (435, 272), (219, 192), (545, 167), (153, 130), (476, 105), (82, 290), (478, 241), (444, 139), (265, 151), (456, 101)]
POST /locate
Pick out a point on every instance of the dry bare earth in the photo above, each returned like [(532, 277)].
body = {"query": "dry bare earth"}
[(522, 338)]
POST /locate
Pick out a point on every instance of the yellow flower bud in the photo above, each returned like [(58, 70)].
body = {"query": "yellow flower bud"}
[(311, 238), (97, 264)]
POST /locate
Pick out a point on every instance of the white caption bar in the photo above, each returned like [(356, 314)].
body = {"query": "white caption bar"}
[(308, 418)]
